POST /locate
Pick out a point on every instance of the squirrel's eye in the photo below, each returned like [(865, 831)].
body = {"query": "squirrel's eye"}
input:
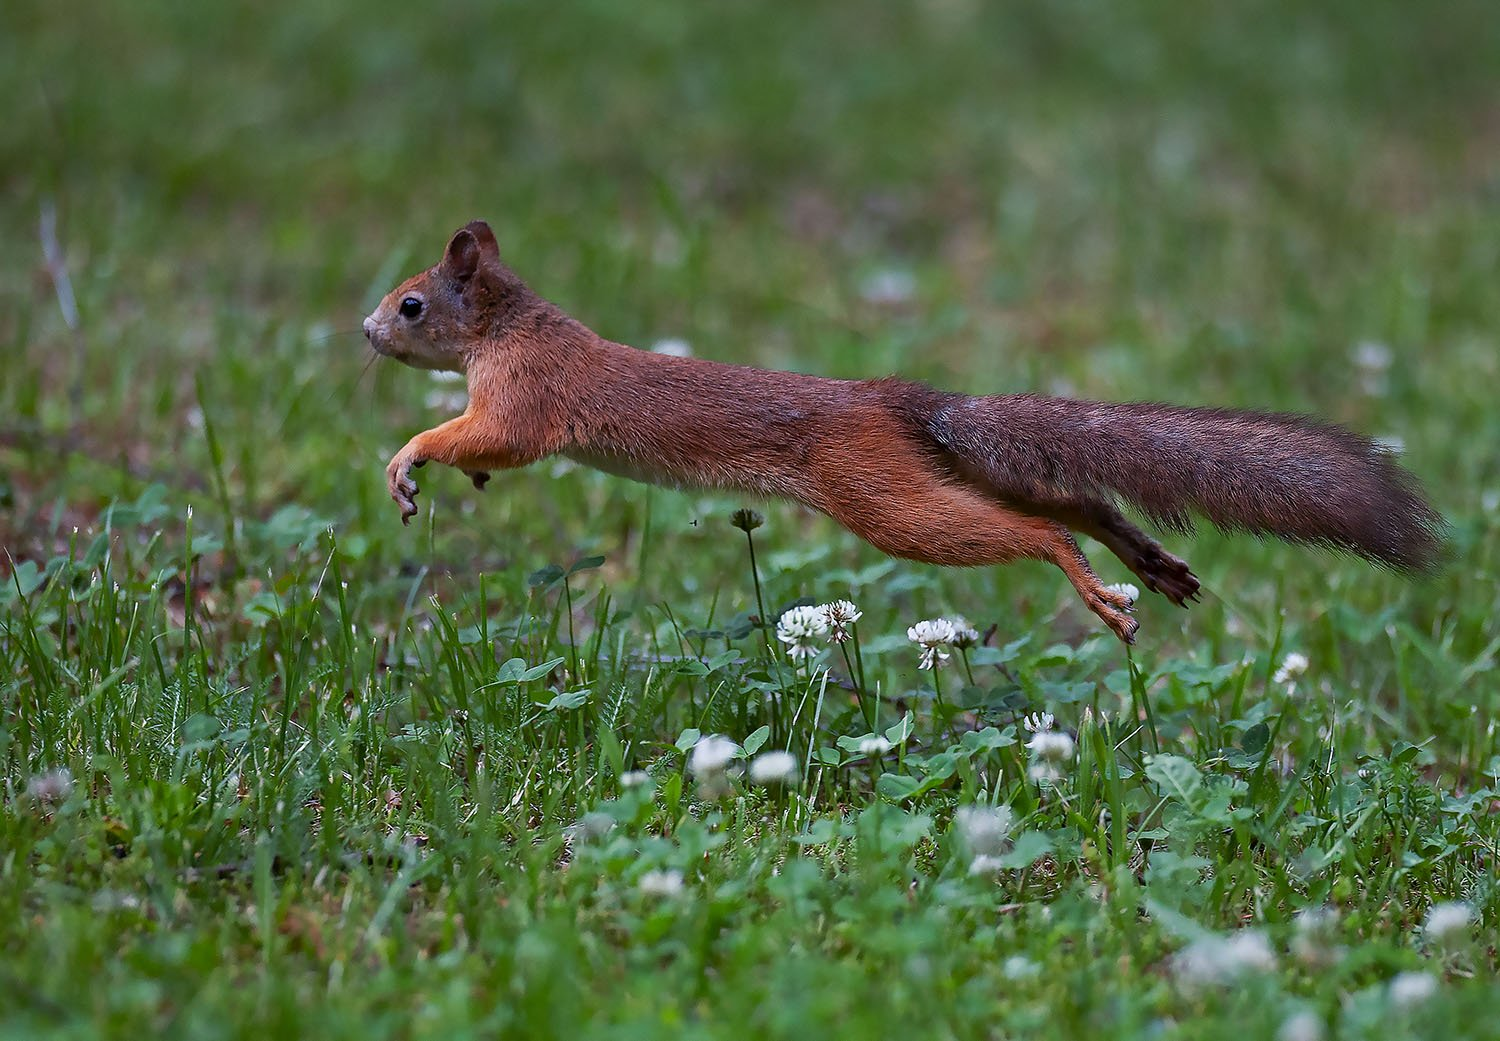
[(411, 307)]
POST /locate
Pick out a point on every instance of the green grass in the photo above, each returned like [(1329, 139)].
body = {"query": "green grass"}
[(331, 777)]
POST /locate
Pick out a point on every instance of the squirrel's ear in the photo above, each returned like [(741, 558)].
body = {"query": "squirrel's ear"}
[(470, 245), (486, 238)]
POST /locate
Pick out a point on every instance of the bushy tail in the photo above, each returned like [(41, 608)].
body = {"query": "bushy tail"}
[(1271, 474)]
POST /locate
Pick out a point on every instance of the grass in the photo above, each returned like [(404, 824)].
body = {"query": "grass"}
[(274, 765)]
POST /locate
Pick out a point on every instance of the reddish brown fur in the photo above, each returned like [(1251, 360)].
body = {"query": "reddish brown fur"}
[(917, 473)]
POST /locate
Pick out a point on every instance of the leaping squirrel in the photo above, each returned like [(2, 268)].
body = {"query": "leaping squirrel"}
[(918, 473)]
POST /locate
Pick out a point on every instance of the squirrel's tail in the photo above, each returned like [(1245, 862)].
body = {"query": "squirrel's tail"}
[(1271, 474)]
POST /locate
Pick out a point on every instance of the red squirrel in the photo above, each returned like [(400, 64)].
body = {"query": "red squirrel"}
[(919, 473)]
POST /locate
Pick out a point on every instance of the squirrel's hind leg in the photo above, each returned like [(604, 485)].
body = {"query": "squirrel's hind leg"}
[(902, 510), (944, 524), (1112, 607), (1161, 571)]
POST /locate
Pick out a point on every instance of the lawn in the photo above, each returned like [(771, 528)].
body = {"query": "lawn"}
[(273, 765)]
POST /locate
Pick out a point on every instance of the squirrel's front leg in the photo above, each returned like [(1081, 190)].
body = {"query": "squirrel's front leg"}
[(460, 442)]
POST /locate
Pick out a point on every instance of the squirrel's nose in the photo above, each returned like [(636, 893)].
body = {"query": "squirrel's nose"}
[(370, 328)]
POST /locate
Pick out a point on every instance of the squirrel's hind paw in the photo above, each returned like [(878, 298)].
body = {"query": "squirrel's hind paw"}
[(1114, 609), (479, 477), (1121, 624), (1177, 583), (1168, 575)]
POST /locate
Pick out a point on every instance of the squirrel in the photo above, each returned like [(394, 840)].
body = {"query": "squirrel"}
[(919, 473)]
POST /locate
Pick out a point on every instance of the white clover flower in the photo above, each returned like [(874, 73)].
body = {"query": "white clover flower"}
[(51, 786), (1391, 444), (1037, 722), (1372, 359), (1292, 666), (888, 287), (931, 657), (1443, 920), (113, 900), (798, 628), (661, 883), (634, 779), (1412, 988), (964, 634), (1052, 746), (1314, 942), (1050, 749), (935, 636), (446, 400), (593, 825), (840, 616), (673, 346), (1317, 920), (446, 376), (1018, 967), (1224, 959), (1301, 1026), (711, 754), (986, 864), (874, 745), (984, 829), (774, 768), (1373, 355), (842, 611), (932, 631), (1124, 588)]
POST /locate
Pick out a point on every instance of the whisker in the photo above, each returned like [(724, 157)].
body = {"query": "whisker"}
[(336, 334), (353, 387), (337, 392), (374, 357)]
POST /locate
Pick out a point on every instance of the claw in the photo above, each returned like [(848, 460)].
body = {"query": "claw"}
[(407, 501), (1127, 632), (403, 491)]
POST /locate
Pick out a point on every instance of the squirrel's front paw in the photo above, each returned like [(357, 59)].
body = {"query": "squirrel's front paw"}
[(479, 477), (402, 488)]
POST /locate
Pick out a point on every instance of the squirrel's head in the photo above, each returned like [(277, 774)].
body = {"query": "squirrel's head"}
[(435, 320)]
